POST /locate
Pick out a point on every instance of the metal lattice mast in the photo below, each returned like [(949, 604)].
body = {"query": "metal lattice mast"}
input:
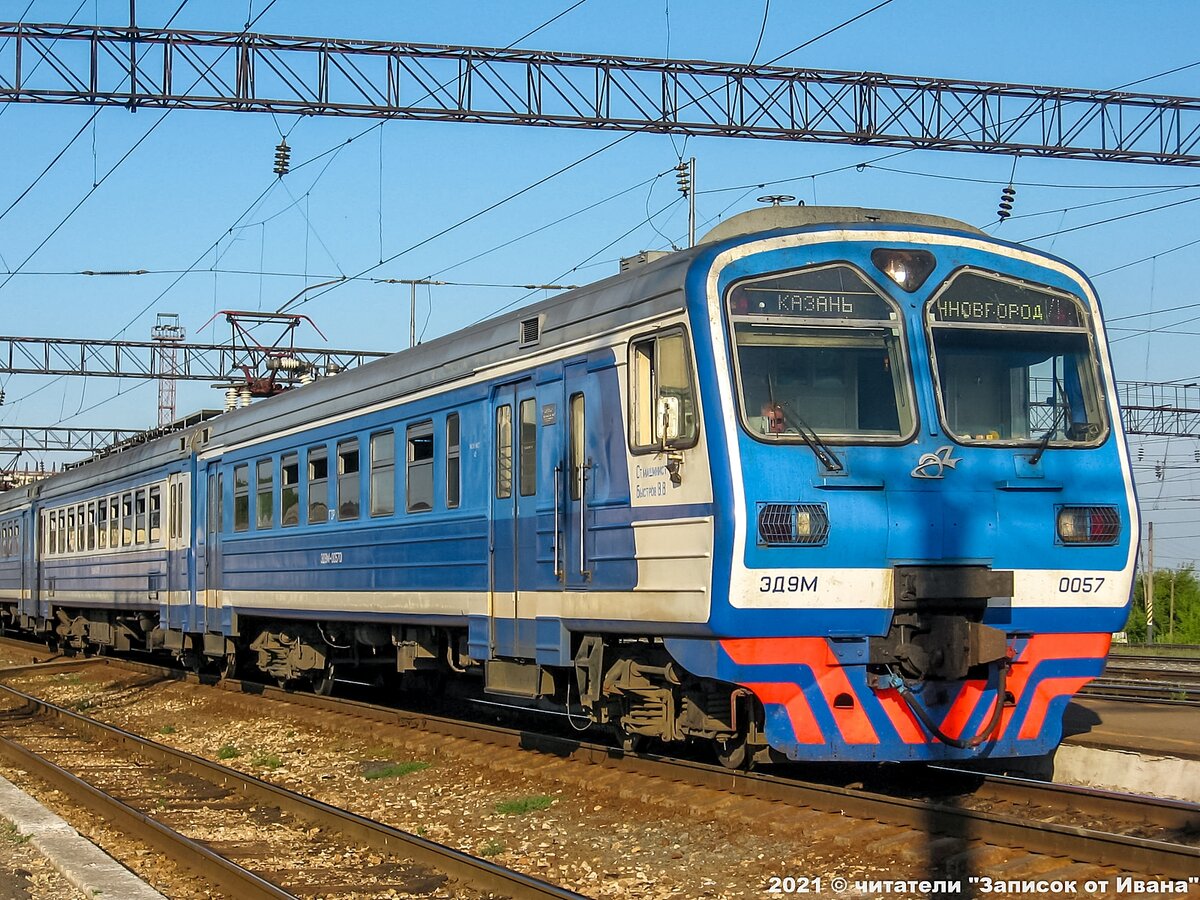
[(168, 334), (92, 65)]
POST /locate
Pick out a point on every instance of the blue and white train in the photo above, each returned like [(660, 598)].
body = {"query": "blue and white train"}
[(835, 484)]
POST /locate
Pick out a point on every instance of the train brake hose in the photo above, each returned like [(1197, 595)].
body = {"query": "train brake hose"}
[(895, 681)]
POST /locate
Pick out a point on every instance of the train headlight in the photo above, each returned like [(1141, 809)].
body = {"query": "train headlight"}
[(1095, 525), (784, 524), (907, 268)]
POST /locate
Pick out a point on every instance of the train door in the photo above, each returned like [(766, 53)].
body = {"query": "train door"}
[(208, 552), (514, 518), (177, 569), (578, 471)]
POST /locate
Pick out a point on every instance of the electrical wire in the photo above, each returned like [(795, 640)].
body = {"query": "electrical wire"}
[(1106, 221), (761, 31), (1147, 258), (828, 32), (579, 265), (95, 187), (292, 304)]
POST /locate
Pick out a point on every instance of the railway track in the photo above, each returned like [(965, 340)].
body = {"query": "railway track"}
[(270, 842), (1151, 678), (1139, 835)]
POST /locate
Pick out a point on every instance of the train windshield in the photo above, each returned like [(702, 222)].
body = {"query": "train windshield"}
[(1014, 363), (820, 349)]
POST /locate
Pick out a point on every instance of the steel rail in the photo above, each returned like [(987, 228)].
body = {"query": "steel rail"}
[(211, 866), (1083, 844), (478, 873), (1160, 858)]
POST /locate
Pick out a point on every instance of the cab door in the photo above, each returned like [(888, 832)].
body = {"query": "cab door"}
[(578, 470)]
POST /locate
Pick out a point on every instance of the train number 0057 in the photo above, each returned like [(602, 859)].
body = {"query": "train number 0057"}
[(1087, 585)]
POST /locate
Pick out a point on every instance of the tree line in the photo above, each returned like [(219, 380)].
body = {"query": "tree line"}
[(1182, 626)]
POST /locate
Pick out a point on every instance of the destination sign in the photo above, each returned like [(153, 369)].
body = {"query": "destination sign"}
[(980, 300), (830, 293)]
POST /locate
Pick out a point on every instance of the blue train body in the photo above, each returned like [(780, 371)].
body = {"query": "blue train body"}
[(835, 484)]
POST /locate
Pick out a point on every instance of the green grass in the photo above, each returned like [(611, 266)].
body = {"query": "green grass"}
[(8, 831), (523, 805), (267, 761), (395, 770), (167, 729), (229, 751), (491, 848)]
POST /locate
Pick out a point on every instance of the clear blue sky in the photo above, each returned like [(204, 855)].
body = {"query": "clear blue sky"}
[(179, 193)]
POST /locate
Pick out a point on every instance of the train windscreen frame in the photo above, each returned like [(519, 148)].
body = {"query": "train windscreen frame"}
[(820, 348), (1014, 363)]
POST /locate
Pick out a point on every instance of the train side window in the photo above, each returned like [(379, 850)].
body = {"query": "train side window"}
[(51, 527), (289, 490), (264, 488), (348, 480), (91, 525), (71, 530), (318, 485), (114, 523), (127, 520), (81, 527), (504, 451), (383, 473), (155, 515), (578, 445), (140, 502), (453, 462), (528, 472), (241, 498), (62, 531), (662, 404), (102, 524), (419, 474)]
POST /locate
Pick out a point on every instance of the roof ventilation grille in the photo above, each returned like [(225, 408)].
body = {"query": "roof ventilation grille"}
[(531, 331)]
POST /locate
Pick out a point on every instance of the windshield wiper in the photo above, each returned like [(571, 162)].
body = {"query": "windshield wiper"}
[(1058, 411), (820, 449)]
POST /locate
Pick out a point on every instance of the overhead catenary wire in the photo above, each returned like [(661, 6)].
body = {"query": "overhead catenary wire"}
[(95, 187), (333, 150)]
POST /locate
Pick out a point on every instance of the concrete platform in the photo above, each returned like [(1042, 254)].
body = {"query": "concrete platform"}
[(80, 862), (1156, 729), (1145, 748)]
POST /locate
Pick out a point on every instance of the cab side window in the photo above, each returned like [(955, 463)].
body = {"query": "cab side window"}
[(662, 402)]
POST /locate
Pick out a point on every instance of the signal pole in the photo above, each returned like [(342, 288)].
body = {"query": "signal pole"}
[(1150, 587)]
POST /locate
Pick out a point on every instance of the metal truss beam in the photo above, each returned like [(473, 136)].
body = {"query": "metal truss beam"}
[(134, 67), (1152, 408), (136, 359), (15, 439)]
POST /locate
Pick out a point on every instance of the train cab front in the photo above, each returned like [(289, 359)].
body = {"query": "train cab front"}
[(935, 521)]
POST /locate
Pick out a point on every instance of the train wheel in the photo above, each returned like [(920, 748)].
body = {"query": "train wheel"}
[(734, 753), (192, 660), (323, 682), (632, 743)]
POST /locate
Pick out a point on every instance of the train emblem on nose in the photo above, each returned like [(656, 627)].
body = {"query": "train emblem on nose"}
[(933, 465)]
